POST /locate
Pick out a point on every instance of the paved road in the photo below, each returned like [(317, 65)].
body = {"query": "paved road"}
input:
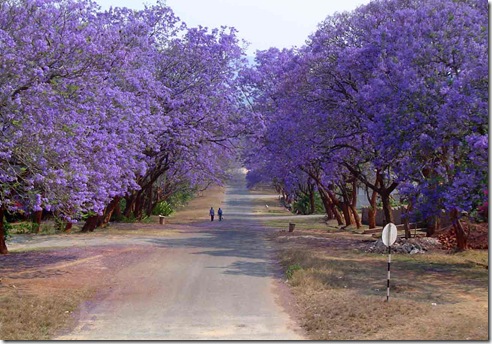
[(215, 283)]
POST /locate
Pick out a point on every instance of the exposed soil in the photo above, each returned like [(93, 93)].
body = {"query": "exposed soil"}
[(146, 281), (340, 289), (478, 237), (51, 283), (334, 241)]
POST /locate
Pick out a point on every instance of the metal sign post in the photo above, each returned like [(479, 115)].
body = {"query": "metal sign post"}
[(389, 237)]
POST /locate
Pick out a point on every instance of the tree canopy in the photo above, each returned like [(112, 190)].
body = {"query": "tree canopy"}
[(97, 106), (393, 95)]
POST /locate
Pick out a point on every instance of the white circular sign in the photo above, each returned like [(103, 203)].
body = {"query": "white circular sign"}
[(389, 234)]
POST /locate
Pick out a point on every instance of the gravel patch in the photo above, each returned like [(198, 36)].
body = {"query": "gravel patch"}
[(406, 246)]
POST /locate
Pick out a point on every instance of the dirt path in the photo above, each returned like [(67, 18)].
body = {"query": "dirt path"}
[(213, 281)]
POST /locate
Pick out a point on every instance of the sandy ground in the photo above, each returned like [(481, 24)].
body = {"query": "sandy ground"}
[(205, 281)]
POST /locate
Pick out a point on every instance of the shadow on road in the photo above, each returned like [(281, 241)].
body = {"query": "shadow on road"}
[(249, 246), (25, 262)]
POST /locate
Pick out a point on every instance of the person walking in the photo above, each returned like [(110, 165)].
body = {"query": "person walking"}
[(212, 213), (219, 212)]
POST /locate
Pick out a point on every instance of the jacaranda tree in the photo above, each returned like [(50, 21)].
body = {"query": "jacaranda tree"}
[(393, 96), (96, 106)]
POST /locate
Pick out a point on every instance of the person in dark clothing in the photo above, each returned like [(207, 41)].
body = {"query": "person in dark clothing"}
[(212, 213), (220, 214)]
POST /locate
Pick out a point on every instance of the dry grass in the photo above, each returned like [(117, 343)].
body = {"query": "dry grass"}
[(267, 202), (433, 296), (259, 206), (33, 317)]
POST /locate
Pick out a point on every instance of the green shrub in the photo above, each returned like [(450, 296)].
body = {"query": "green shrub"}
[(24, 228), (47, 228), (131, 219), (163, 208), (291, 269), (181, 198), (303, 205), (7, 227), (146, 219)]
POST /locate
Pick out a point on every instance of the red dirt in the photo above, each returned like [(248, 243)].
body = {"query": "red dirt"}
[(478, 238)]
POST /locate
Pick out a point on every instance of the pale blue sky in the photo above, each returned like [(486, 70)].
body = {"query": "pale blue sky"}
[(263, 23)]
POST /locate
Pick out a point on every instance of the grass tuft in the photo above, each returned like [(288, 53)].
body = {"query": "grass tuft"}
[(29, 317)]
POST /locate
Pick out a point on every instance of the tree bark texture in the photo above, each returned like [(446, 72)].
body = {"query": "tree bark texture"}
[(373, 207), (380, 187), (36, 220), (332, 205), (433, 226), (353, 205), (130, 205), (461, 235), (356, 216), (117, 211), (3, 244), (91, 223), (406, 222), (108, 212), (388, 213), (346, 213), (327, 205)]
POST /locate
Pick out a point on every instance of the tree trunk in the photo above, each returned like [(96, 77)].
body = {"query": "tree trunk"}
[(68, 227), (388, 214), (371, 215), (461, 235), (353, 205), (90, 224), (138, 211), (333, 207), (338, 216), (146, 203), (130, 205), (150, 201), (434, 226), (326, 204), (117, 211), (406, 227), (108, 212), (356, 216), (36, 220), (383, 191), (329, 212), (345, 205), (98, 223), (3, 244), (336, 206), (372, 209), (346, 213), (406, 222)]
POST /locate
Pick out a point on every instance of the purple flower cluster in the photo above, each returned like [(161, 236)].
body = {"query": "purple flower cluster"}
[(393, 94), (96, 105)]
